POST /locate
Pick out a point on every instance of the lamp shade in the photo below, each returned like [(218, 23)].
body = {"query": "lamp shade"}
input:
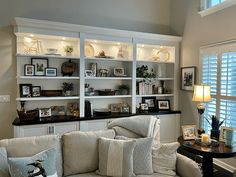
[(202, 93)]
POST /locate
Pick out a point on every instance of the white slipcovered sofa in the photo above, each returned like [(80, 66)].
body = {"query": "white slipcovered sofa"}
[(86, 154)]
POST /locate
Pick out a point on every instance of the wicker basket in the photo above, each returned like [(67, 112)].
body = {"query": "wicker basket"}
[(27, 116)]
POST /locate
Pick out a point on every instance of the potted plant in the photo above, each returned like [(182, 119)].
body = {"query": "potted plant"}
[(69, 49), (215, 125), (123, 89), (67, 88)]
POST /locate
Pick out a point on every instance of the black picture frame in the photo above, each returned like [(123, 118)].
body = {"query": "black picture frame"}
[(29, 70), (25, 90), (51, 72), (151, 101), (163, 105), (188, 78), (36, 91), (40, 64)]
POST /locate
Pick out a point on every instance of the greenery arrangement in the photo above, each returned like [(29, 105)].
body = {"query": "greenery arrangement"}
[(67, 86), (123, 87), (68, 49), (215, 122), (143, 71)]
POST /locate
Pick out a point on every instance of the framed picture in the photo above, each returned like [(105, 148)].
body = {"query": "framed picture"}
[(118, 71), (188, 78), (88, 73), (224, 131), (45, 112), (143, 107), (71, 107), (115, 107), (189, 132), (151, 102), (36, 91), (58, 110), (51, 72), (163, 105), (25, 90), (40, 64), (28, 70)]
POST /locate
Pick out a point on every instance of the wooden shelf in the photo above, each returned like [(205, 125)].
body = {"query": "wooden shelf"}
[(108, 78), (48, 98), (108, 96), (46, 77), (48, 56), (108, 59), (158, 78)]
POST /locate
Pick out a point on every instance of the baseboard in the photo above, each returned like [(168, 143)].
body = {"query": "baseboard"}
[(224, 165)]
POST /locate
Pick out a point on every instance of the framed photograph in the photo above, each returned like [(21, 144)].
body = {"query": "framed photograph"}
[(163, 105), (36, 91), (118, 71), (115, 107), (25, 90), (189, 132), (225, 133), (28, 70), (151, 102), (45, 112), (71, 107), (58, 110), (51, 72), (188, 78), (88, 73), (39, 64)]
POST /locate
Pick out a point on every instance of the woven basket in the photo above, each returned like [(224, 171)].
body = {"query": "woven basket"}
[(27, 116)]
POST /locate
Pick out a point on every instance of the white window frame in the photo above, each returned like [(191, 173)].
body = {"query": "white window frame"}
[(205, 10)]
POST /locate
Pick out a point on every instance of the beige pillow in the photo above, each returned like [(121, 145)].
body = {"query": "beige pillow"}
[(164, 158), (116, 157), (142, 155), (3, 163), (80, 151)]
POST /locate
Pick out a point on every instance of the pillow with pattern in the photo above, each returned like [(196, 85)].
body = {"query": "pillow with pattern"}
[(42, 164)]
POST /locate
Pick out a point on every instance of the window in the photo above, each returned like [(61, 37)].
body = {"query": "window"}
[(219, 71), (211, 6)]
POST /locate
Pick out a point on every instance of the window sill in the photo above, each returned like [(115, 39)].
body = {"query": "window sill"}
[(217, 8)]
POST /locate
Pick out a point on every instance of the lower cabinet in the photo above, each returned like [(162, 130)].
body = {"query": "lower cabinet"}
[(92, 125), (45, 129)]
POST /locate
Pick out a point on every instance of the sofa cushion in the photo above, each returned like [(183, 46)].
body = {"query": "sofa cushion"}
[(164, 158), (80, 151), (142, 155), (158, 175), (3, 163), (29, 146), (91, 174), (21, 166), (116, 157)]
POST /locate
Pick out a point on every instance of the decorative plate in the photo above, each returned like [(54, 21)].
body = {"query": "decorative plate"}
[(89, 50)]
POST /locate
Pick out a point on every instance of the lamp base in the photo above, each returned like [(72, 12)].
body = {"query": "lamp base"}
[(200, 131)]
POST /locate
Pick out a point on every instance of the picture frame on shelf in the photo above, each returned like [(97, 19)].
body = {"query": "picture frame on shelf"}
[(58, 110), (29, 70), (119, 71), (40, 64), (163, 105), (224, 131), (151, 102), (115, 108), (188, 78), (189, 132), (51, 72), (143, 107), (25, 90), (45, 112), (88, 73), (72, 108), (36, 91)]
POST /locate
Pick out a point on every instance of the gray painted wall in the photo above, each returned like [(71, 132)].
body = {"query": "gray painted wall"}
[(198, 31), (136, 15)]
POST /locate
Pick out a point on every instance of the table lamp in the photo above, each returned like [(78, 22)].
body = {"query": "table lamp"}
[(202, 94)]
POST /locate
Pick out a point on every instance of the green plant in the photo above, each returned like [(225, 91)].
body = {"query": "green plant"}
[(143, 71), (215, 122), (123, 87), (66, 86), (69, 49)]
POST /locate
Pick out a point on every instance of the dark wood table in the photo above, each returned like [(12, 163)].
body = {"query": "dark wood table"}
[(208, 153)]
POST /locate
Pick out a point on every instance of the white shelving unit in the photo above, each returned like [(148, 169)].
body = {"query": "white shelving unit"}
[(108, 49)]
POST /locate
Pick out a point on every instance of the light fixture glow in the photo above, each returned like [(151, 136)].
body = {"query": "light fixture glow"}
[(142, 45), (63, 38), (31, 35)]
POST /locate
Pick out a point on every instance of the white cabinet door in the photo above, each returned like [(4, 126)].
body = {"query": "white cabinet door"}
[(93, 125), (30, 130), (169, 128), (61, 128)]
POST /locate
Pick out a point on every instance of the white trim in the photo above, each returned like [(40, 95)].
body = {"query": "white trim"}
[(48, 98), (224, 165), (218, 7)]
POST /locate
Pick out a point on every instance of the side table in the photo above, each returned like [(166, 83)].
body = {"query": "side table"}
[(208, 153)]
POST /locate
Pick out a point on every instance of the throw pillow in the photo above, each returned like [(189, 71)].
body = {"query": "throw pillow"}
[(41, 164), (3, 163), (115, 157), (164, 158), (142, 155)]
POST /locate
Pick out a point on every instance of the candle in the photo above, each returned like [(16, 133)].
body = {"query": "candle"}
[(205, 138)]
